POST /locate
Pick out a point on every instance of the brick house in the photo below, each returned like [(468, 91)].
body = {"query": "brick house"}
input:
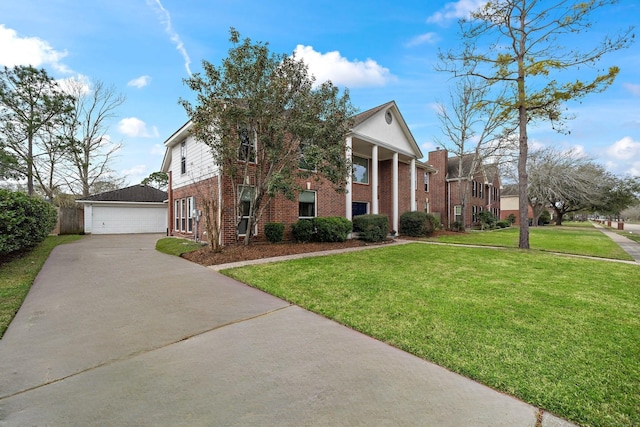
[(387, 178), (483, 189)]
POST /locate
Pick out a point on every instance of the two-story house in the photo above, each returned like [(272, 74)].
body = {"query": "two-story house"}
[(481, 182), (387, 178)]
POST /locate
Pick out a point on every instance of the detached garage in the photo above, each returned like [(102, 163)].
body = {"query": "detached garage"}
[(135, 209)]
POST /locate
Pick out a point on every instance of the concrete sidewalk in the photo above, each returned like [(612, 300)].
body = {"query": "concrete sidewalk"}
[(629, 246), (114, 333)]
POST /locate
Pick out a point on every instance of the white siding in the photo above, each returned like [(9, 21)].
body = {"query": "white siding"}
[(200, 164), (135, 218), (391, 135)]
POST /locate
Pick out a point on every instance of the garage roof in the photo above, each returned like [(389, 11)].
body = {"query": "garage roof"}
[(135, 193)]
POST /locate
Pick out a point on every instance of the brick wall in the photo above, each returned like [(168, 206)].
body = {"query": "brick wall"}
[(438, 186)]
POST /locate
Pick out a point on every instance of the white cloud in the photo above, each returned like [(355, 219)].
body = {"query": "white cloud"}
[(632, 88), (625, 149), (165, 19), (332, 66), (427, 38), (134, 127), (135, 170), (158, 150), (140, 82), (33, 51), (456, 10)]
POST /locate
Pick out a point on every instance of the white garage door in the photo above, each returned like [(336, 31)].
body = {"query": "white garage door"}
[(129, 219)]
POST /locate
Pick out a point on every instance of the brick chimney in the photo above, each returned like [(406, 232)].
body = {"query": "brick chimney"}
[(437, 184)]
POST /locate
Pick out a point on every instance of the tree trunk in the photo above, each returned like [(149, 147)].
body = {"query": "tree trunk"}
[(523, 178)]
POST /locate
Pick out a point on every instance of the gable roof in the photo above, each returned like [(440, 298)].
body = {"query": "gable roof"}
[(361, 118), (489, 172), (135, 193)]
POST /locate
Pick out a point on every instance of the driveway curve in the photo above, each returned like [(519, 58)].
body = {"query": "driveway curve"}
[(116, 333)]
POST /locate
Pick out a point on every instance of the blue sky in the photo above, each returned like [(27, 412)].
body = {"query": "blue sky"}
[(380, 50)]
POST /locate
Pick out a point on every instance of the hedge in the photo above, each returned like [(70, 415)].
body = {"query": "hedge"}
[(322, 229), (417, 224), (371, 227), (25, 221)]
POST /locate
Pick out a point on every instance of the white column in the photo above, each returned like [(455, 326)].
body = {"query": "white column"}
[(348, 196), (374, 180), (413, 184), (394, 190)]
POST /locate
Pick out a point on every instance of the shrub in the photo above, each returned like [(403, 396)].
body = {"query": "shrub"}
[(457, 226), (486, 219), (25, 221), (372, 228), (332, 229), (545, 218), (503, 224), (302, 230), (511, 218), (417, 224), (274, 231)]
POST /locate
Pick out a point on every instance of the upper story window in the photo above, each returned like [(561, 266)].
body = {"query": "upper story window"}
[(304, 156), (360, 170), (183, 157), (247, 149), (426, 181)]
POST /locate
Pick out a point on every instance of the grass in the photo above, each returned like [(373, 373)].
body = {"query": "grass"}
[(569, 240), (176, 246), (18, 273), (560, 333)]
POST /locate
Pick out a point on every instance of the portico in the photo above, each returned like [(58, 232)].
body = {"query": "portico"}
[(384, 156)]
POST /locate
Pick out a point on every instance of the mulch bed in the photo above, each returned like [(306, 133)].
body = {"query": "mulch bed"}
[(240, 252), (259, 250)]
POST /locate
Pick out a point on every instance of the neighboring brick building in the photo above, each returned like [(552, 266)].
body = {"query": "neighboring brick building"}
[(483, 189), (387, 179)]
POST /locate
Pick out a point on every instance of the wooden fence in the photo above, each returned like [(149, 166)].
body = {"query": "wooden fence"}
[(70, 221)]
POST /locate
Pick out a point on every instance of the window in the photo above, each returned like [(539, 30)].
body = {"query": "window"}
[(481, 190), (183, 157), (457, 213), (304, 149), (176, 215), (247, 150), (359, 208), (426, 181), (474, 189), (307, 204), (360, 170), (245, 196), (474, 214), (190, 207), (183, 214)]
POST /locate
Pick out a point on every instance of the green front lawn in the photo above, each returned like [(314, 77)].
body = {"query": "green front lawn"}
[(560, 333), (18, 273), (569, 240)]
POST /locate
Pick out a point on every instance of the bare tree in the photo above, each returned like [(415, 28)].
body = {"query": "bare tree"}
[(91, 149), (475, 131), (565, 181), (524, 52)]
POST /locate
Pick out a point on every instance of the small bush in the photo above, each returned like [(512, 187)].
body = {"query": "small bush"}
[(545, 218), (511, 218), (332, 229), (25, 221), (274, 232), (302, 230), (417, 224), (372, 228), (486, 219), (457, 226), (503, 224)]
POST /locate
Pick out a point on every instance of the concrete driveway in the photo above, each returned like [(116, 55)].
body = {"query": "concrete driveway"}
[(114, 333)]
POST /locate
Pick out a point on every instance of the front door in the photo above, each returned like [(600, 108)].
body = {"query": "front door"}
[(358, 208)]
